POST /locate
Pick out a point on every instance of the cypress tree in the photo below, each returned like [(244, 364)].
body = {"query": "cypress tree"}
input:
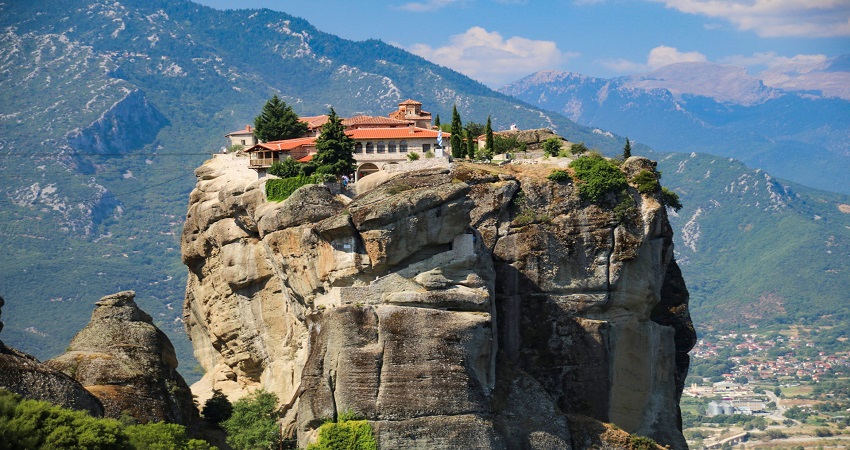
[(437, 121), (334, 149), (627, 150), (491, 144), (458, 150), (470, 145), (278, 121)]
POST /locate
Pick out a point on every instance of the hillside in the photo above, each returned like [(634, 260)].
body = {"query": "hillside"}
[(709, 108), (107, 108)]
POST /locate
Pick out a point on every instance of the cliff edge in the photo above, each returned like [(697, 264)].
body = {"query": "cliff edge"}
[(469, 306)]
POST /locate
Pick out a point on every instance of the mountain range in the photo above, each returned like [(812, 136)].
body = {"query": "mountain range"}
[(107, 108), (799, 135)]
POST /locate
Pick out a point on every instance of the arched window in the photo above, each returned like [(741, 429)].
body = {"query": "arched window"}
[(402, 147), (381, 147), (370, 147), (358, 148), (391, 147)]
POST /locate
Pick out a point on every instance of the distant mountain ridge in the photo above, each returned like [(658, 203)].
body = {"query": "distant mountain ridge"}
[(711, 108)]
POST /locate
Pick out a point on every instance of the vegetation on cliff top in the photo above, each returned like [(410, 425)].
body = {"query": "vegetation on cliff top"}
[(39, 425)]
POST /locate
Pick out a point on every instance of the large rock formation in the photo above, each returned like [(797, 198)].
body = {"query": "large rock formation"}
[(465, 307), (24, 375), (129, 364)]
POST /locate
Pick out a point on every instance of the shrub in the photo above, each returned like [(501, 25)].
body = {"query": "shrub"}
[(642, 443), (626, 209), (217, 408), (429, 154), (347, 433), (578, 149), (646, 181), (596, 177), (552, 146), (286, 169), (279, 189), (253, 424), (670, 199), (560, 176), (412, 156)]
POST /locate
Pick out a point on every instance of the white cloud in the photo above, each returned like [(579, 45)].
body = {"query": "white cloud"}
[(488, 57), (658, 57), (426, 6), (775, 18)]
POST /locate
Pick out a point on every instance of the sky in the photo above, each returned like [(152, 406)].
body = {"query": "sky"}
[(500, 41)]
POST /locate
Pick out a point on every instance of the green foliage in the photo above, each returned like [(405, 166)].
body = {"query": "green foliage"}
[(286, 169), (642, 443), (626, 210), (218, 407), (490, 144), (552, 146), (505, 144), (278, 121), (646, 181), (470, 147), (578, 149), (597, 177), (412, 156), (235, 148), (30, 424), (559, 176), (429, 154), (348, 433), (279, 189), (334, 149), (670, 199), (437, 121), (527, 214), (253, 424), (458, 151), (627, 150)]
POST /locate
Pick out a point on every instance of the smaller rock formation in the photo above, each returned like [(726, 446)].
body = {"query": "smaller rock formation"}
[(26, 376), (129, 364)]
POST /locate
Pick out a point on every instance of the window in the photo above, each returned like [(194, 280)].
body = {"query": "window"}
[(380, 147), (358, 148), (426, 148), (370, 147), (391, 147), (243, 141), (402, 147)]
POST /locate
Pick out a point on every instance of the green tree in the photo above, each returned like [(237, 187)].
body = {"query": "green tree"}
[(488, 132), (334, 149), (470, 145), (253, 424), (627, 150), (217, 408), (458, 151), (474, 129), (597, 177), (286, 168), (278, 121), (437, 121), (578, 149), (163, 436), (552, 146)]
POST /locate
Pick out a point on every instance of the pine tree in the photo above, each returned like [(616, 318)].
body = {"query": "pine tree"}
[(334, 149), (278, 121), (458, 150), (627, 150), (437, 121), (488, 131)]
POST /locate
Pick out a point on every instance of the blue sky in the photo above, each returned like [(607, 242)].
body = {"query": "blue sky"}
[(499, 41)]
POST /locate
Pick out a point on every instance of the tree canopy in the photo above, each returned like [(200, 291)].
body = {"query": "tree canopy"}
[(334, 149), (627, 150), (488, 131), (458, 150), (278, 121), (253, 424)]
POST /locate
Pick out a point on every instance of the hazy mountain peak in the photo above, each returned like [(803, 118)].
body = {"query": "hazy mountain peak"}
[(723, 83), (830, 76)]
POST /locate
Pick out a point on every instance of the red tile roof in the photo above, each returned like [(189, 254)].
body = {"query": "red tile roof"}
[(307, 158), (314, 122), (372, 120), (409, 101), (284, 146), (393, 133)]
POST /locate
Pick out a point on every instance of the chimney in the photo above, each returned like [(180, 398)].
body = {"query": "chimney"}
[(248, 128)]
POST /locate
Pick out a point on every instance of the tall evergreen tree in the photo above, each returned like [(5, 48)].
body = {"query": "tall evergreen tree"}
[(470, 145), (490, 143), (437, 121), (458, 150), (627, 150), (334, 149), (278, 121)]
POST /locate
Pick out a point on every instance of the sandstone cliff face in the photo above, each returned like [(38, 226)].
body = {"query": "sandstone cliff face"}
[(24, 375), (465, 307), (129, 364)]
